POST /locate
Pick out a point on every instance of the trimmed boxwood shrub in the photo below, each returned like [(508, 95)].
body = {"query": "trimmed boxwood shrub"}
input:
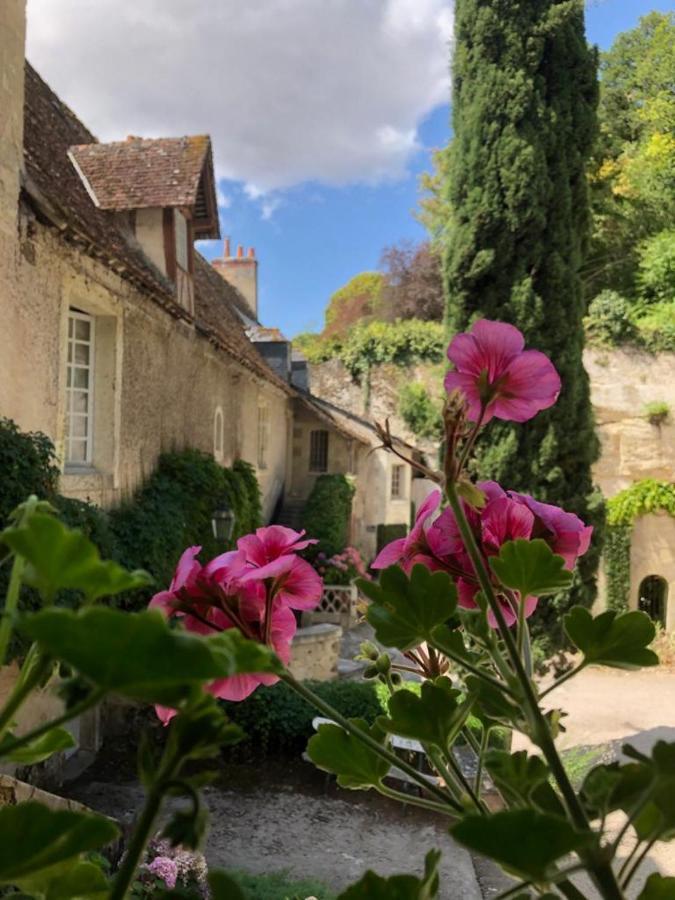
[(27, 466), (328, 512), (278, 722)]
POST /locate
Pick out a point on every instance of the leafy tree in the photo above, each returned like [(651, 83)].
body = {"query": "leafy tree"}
[(355, 301), (524, 115), (633, 174), (413, 283)]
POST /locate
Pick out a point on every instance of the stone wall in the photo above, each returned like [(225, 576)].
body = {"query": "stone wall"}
[(158, 382), (12, 43)]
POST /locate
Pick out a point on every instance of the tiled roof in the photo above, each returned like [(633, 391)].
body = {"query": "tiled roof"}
[(143, 172), (347, 423), (59, 196)]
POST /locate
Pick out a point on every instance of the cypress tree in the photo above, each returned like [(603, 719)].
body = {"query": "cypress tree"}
[(524, 114)]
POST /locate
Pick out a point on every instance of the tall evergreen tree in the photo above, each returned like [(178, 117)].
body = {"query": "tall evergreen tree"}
[(524, 113)]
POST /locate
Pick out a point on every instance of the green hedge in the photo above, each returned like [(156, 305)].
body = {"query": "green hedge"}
[(278, 722), (328, 512), (171, 511)]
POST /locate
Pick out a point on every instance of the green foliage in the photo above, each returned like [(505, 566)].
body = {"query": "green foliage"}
[(612, 639), (398, 887), (277, 886), (328, 512), (531, 568), (368, 344), (617, 566), (520, 229), (111, 649), (58, 558), (657, 412), (419, 412), (173, 510), (341, 753), (35, 839), (405, 609), (27, 466), (355, 301), (54, 741), (656, 275), (658, 887), (436, 716), (642, 497), (609, 321), (500, 837), (656, 327), (277, 721)]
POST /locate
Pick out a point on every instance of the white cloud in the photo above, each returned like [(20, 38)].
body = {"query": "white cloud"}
[(224, 202), (290, 90)]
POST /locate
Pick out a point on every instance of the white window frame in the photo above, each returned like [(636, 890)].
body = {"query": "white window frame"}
[(263, 435), (397, 487), (75, 316), (218, 434)]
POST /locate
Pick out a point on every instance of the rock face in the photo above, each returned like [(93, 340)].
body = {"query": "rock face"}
[(624, 383)]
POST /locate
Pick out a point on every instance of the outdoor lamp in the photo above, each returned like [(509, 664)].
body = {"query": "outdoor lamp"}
[(222, 523)]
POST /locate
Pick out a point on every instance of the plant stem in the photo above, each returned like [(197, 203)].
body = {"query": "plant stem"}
[(562, 679), (370, 742), (75, 711), (422, 802), (600, 870), (25, 684), (11, 604), (638, 862), (475, 670), (571, 891), (485, 737), (138, 842), (463, 781)]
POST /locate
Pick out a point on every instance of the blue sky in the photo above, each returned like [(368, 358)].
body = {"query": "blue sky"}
[(322, 114), (318, 236)]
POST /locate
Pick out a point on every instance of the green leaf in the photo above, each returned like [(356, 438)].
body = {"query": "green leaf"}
[(435, 717), (139, 655), (524, 842), (492, 706), (54, 741), (398, 887), (78, 880), (356, 766), (658, 887), (451, 642), (611, 639), (61, 558), (404, 610), (35, 838), (516, 775), (531, 568), (223, 887)]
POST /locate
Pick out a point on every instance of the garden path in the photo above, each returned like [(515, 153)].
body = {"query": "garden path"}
[(288, 818)]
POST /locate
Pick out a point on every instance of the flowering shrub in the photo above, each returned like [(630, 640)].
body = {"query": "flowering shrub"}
[(341, 568), (167, 867), (453, 597)]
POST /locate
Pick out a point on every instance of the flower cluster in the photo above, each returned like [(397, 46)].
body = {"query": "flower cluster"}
[(174, 867), (254, 588), (341, 568), (493, 377)]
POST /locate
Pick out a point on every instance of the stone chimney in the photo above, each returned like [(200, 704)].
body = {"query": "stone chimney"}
[(241, 271), (12, 61)]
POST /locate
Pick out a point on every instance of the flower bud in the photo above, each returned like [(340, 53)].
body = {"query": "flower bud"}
[(383, 663), (369, 650), (371, 672)]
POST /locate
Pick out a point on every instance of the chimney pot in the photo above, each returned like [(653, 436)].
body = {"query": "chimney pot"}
[(226, 248), (251, 252), (240, 252)]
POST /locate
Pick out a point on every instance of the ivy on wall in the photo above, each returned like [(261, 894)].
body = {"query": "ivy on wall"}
[(641, 498)]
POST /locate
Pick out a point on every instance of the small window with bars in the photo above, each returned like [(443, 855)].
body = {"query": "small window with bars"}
[(263, 435), (79, 389), (318, 451), (397, 482)]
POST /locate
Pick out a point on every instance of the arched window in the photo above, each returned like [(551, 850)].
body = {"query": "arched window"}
[(653, 597), (218, 435)]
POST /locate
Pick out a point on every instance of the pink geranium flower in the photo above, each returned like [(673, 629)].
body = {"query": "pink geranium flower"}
[(415, 548), (497, 376), (563, 531), (254, 588)]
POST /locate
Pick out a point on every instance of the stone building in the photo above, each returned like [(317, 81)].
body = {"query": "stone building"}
[(120, 341)]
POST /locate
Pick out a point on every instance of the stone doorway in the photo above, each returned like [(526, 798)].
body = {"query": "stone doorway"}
[(653, 598)]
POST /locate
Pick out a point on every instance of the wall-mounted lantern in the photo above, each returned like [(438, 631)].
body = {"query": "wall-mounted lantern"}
[(222, 523)]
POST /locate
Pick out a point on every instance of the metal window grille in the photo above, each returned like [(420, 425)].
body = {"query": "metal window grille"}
[(396, 482), (318, 451)]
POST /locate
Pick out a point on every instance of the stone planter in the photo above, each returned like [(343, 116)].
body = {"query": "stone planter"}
[(315, 652)]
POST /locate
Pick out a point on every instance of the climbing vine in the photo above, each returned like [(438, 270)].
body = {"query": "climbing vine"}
[(646, 496)]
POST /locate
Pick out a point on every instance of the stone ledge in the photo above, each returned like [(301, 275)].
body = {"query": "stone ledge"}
[(315, 652)]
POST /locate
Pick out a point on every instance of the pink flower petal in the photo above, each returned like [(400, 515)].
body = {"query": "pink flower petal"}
[(390, 554)]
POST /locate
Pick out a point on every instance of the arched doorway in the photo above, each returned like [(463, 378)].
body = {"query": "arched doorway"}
[(653, 597)]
